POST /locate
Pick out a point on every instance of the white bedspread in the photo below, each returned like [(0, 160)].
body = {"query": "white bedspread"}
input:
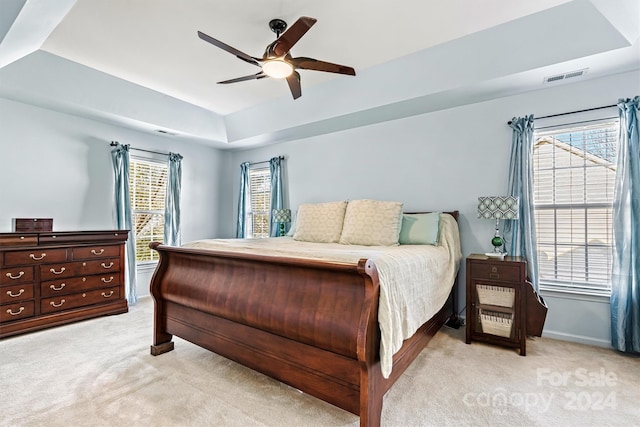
[(415, 280)]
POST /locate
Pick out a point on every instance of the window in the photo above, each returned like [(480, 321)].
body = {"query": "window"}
[(147, 189), (573, 174), (260, 201)]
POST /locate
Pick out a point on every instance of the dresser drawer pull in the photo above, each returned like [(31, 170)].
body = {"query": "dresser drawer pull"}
[(12, 295), (35, 258), (107, 266), (93, 251), (57, 305), (62, 285), (53, 270), (15, 314), (10, 276), (107, 281), (104, 294)]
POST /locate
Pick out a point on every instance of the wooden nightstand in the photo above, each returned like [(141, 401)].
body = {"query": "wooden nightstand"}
[(497, 301)]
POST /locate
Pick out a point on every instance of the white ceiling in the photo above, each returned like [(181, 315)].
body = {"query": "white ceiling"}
[(85, 56)]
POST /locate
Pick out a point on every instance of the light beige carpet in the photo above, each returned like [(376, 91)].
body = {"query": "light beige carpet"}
[(100, 373)]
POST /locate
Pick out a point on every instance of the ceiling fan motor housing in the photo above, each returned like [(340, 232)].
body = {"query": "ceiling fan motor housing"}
[(277, 26)]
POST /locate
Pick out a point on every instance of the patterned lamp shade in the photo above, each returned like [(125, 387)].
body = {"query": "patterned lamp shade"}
[(282, 215), (498, 207)]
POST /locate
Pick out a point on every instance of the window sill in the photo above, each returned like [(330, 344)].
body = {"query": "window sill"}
[(147, 265), (552, 292)]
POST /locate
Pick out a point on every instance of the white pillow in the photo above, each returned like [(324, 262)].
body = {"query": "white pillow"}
[(320, 222), (372, 223)]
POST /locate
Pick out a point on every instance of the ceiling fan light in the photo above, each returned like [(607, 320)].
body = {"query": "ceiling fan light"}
[(277, 68)]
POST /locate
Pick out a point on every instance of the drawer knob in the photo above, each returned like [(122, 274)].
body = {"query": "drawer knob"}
[(53, 270), (11, 276), (93, 251), (62, 285), (57, 305), (107, 266), (104, 294), (12, 313), (494, 273), (107, 280), (12, 295), (35, 258)]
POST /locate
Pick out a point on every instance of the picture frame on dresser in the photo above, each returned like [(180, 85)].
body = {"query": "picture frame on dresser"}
[(54, 278)]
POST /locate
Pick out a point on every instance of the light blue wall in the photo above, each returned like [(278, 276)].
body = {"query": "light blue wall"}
[(442, 161), (58, 166)]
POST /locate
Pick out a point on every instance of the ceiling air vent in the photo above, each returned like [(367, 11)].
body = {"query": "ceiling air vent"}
[(565, 76)]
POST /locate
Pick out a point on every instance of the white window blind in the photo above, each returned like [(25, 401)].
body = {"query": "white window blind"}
[(260, 198), (574, 173), (147, 190)]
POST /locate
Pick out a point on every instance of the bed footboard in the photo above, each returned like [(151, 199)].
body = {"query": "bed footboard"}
[(310, 324)]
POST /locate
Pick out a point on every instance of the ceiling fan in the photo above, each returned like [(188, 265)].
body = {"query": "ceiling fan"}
[(277, 62)]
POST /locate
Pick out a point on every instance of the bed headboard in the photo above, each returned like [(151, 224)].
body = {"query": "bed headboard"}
[(454, 214)]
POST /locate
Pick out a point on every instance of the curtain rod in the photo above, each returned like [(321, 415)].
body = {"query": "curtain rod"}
[(116, 143), (571, 112), (264, 161)]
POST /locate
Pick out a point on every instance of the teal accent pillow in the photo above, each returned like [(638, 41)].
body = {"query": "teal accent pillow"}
[(420, 229)]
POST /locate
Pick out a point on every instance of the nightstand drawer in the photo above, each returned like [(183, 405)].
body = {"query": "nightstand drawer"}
[(497, 271)]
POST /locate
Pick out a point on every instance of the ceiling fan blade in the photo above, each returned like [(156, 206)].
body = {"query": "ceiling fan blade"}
[(294, 84), (257, 76), (313, 64), (291, 36), (231, 50)]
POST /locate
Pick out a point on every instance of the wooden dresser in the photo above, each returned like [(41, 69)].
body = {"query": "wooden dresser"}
[(54, 278)]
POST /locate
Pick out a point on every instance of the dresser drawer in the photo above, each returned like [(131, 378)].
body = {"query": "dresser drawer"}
[(18, 239), (10, 276), (17, 311), (14, 293), (91, 252), (66, 302), (79, 268), (77, 284), (35, 256), (70, 237), (497, 271)]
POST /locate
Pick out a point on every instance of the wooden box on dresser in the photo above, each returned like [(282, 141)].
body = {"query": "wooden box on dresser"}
[(54, 278)]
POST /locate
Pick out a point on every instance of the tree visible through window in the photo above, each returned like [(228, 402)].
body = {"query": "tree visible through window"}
[(260, 198), (147, 189), (574, 173)]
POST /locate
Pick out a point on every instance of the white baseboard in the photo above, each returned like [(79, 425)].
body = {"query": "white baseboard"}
[(562, 336), (576, 338)]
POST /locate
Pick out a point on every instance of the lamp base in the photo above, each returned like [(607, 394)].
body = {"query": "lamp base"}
[(499, 255)]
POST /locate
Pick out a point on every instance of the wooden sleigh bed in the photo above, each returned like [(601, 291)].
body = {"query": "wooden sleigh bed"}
[(312, 324)]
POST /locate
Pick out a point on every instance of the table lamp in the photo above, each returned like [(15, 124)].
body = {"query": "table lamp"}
[(282, 217), (498, 207)]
